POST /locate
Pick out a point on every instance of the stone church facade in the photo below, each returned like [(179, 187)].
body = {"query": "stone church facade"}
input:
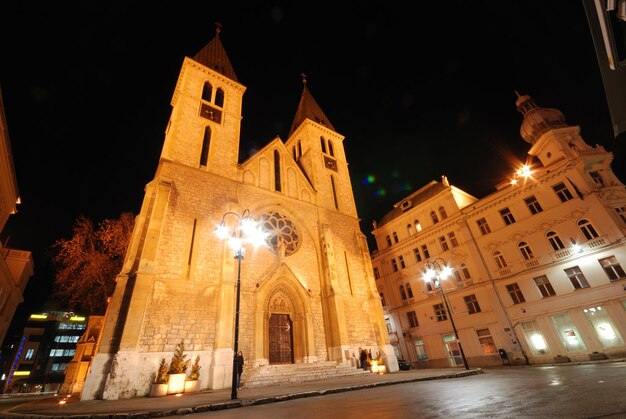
[(314, 279)]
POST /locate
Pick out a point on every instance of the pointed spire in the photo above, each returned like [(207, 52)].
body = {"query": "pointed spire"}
[(214, 56), (308, 108)]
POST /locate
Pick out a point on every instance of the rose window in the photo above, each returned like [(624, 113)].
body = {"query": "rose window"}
[(282, 232)]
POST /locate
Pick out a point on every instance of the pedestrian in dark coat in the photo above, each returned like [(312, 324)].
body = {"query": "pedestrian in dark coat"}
[(239, 368)]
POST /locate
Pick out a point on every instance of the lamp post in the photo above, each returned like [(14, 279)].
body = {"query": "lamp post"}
[(244, 230), (438, 270)]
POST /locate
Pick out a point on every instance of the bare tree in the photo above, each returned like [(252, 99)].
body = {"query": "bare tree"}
[(87, 264)]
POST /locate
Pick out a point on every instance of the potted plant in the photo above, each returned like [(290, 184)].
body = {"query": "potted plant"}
[(177, 372), (159, 386), (192, 381)]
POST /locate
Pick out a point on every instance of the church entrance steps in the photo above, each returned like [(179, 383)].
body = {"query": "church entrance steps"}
[(297, 373)]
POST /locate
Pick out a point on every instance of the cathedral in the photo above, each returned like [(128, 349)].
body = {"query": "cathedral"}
[(307, 296)]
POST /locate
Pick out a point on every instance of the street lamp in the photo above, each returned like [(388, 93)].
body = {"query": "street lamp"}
[(438, 270), (245, 230)]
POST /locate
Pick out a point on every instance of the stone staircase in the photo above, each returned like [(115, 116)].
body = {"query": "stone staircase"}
[(297, 373)]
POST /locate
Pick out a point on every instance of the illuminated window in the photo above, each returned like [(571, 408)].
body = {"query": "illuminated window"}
[(612, 268), (515, 293), (562, 192), (418, 226), (603, 326), (483, 226), (533, 205), (577, 278), (555, 241), (544, 285), (486, 341), (534, 337), (568, 333), (524, 249), (507, 216), (412, 317), (440, 312), (420, 349), (29, 354), (472, 304), (587, 229)]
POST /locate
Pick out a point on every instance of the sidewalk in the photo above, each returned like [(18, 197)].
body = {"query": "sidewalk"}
[(208, 400)]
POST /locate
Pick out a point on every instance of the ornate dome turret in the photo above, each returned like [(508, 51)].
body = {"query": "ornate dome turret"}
[(537, 121)]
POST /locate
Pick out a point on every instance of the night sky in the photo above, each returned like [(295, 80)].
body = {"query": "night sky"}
[(418, 93)]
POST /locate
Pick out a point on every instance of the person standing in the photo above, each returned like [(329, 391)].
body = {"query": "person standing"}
[(239, 368)]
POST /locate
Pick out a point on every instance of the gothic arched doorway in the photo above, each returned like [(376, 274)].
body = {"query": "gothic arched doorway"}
[(280, 339)]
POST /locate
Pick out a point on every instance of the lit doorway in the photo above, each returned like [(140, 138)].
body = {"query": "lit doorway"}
[(454, 352)]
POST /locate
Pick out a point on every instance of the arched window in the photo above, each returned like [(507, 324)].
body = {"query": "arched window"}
[(332, 184), (465, 271), (555, 241), (408, 290), (433, 215), (418, 226), (276, 171), (207, 91), (443, 213), (323, 144), (587, 229), (524, 249), (499, 259), (330, 148), (299, 148), (206, 141), (395, 237), (402, 292), (409, 229), (219, 97), (388, 241)]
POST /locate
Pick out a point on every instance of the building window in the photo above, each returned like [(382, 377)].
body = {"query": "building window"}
[(425, 252), (331, 149), (388, 241), (409, 229), (597, 178), (483, 226), (433, 215), (499, 259), (420, 350), (402, 264), (621, 211), (440, 312), (416, 252), (402, 292), (568, 333), (472, 304), (516, 293), (453, 240), (562, 192), (412, 317), (486, 341), (394, 265), (382, 299), (533, 205), (524, 249), (409, 291), (277, 186), (535, 339), (444, 243), (507, 216), (443, 213), (544, 285), (395, 237), (29, 354), (465, 271), (388, 323), (555, 241), (376, 273), (603, 326), (587, 229), (206, 141), (612, 268), (418, 226), (576, 276), (323, 144)]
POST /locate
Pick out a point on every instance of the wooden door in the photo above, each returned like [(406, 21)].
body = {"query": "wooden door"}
[(281, 338)]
